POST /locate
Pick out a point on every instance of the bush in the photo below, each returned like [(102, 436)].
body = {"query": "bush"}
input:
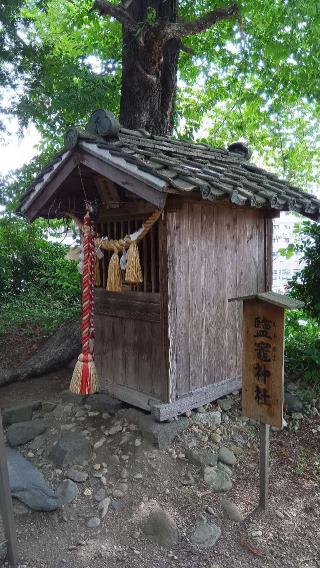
[(305, 285), (302, 348), (38, 285)]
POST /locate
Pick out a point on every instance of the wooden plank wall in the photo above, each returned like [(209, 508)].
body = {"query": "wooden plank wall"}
[(129, 342), (214, 253)]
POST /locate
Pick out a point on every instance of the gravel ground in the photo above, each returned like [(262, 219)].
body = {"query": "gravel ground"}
[(285, 536)]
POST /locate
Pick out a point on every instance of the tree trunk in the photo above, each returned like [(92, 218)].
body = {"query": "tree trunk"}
[(63, 346), (149, 73)]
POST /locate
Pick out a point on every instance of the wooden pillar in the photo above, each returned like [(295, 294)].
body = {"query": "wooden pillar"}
[(264, 465)]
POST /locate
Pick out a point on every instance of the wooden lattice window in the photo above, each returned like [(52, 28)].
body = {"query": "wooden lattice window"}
[(148, 250)]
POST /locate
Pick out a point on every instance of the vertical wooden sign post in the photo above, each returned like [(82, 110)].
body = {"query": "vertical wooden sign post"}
[(6, 508), (262, 369)]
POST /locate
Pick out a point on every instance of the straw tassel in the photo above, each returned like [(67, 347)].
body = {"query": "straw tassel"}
[(133, 270), (114, 281), (84, 379)]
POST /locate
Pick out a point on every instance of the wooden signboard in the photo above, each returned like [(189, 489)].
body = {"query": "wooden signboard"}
[(262, 369), (262, 379)]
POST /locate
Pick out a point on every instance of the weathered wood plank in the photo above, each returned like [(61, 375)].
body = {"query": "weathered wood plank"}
[(172, 244), (208, 259), (220, 303), (59, 176), (124, 179), (268, 253), (132, 396), (261, 272), (138, 209), (183, 322), (163, 289), (195, 292), (232, 318), (129, 352), (128, 305), (199, 397)]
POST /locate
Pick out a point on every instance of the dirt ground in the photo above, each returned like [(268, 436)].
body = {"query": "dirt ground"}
[(286, 536)]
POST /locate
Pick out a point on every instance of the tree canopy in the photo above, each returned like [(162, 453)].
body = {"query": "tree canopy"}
[(253, 75)]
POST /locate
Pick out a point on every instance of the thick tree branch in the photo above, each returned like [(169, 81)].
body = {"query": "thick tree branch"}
[(118, 12), (179, 30)]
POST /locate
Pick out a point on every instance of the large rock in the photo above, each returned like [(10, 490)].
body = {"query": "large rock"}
[(292, 402), (23, 432), (28, 485), (205, 535), (208, 418), (103, 402), (201, 456), (21, 413), (161, 528), (71, 448), (159, 434), (218, 478)]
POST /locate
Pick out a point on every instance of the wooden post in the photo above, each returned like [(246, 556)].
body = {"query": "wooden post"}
[(262, 369), (264, 465), (6, 507)]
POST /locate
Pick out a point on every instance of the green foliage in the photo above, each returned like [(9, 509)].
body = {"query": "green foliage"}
[(302, 348), (261, 84), (305, 285), (38, 285)]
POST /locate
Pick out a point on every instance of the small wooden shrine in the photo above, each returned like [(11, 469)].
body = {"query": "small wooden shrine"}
[(201, 219)]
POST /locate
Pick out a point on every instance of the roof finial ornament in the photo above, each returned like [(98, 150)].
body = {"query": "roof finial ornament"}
[(241, 149), (103, 123), (71, 137)]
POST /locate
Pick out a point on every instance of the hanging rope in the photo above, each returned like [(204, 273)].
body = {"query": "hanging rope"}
[(133, 266), (84, 379)]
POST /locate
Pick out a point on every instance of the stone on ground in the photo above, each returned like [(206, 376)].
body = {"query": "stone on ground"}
[(103, 402), (28, 485), (159, 434), (226, 404), (37, 443), (161, 527), (231, 511), (208, 418), (48, 406), (67, 491), (93, 523), (100, 495), (201, 456), (227, 456), (71, 448), (77, 476), (23, 432), (205, 535), (218, 478), (104, 506), (239, 439), (21, 413)]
